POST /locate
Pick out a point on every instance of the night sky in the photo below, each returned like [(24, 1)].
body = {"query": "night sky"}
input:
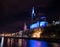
[(13, 13)]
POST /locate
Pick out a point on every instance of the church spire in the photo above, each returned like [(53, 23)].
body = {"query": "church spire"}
[(25, 26), (33, 12)]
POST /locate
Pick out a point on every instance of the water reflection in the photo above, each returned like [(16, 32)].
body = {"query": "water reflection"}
[(12, 42), (35, 43), (55, 44), (19, 42), (2, 42)]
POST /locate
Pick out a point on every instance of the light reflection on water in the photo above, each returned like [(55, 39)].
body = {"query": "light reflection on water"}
[(29, 43), (35, 43), (55, 44)]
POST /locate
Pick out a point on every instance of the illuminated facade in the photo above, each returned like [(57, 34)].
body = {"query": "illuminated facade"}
[(37, 33)]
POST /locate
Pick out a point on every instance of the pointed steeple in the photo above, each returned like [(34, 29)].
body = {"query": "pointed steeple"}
[(25, 26), (33, 12)]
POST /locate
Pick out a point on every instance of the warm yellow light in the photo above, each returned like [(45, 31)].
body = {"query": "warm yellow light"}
[(37, 33)]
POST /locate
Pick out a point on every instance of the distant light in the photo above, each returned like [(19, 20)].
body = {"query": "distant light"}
[(54, 35), (38, 24), (33, 10), (43, 17), (33, 13), (37, 34), (43, 24), (56, 22), (35, 25)]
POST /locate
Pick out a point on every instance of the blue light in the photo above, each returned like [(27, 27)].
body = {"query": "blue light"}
[(43, 24), (44, 44), (43, 17), (35, 43), (35, 25)]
